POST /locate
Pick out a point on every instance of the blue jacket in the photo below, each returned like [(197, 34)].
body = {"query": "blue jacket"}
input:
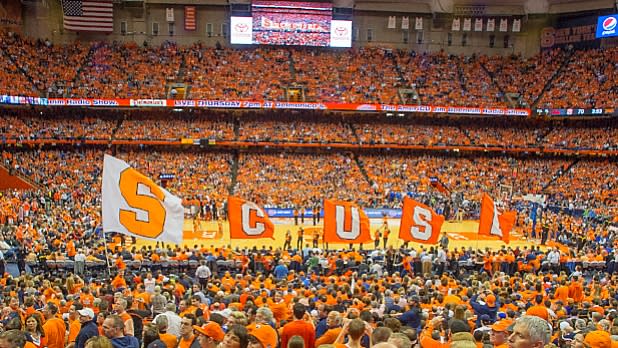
[(88, 330), (480, 309), (125, 342)]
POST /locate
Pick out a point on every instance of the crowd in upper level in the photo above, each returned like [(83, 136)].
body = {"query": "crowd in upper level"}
[(553, 78)]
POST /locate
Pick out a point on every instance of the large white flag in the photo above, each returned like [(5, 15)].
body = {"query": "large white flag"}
[(134, 205)]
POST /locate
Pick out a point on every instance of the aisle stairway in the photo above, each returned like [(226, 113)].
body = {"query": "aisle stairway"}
[(550, 82)]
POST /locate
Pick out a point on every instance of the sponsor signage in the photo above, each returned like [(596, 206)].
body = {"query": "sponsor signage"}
[(607, 26)]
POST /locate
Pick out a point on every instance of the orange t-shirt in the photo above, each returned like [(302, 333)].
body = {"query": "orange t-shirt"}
[(55, 331), (186, 343), (170, 340), (74, 328)]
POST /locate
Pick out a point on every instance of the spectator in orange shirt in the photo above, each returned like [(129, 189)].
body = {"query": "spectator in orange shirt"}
[(333, 320), (54, 327), (298, 327)]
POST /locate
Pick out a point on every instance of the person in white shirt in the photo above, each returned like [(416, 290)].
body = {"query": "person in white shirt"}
[(173, 319), (203, 273), (80, 263), (149, 284)]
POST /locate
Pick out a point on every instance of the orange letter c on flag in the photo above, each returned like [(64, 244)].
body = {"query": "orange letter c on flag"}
[(250, 217)]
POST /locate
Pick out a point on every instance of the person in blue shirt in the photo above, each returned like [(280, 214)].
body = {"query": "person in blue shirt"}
[(485, 303), (281, 271), (88, 327)]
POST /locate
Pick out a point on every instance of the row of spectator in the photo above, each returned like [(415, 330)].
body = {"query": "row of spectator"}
[(167, 126), (359, 75)]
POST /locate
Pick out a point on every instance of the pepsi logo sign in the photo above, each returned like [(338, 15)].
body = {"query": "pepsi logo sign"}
[(610, 23)]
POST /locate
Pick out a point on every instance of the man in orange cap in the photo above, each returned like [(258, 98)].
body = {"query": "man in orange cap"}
[(209, 335), (598, 339), (262, 336), (498, 334)]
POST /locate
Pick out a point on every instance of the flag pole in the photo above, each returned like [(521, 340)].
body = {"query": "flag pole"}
[(109, 272)]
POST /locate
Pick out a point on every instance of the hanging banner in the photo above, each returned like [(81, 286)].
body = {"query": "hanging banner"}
[(504, 25), (456, 24), (419, 23), (491, 24), (405, 23), (392, 22), (516, 25), (467, 24), (169, 15), (190, 22), (478, 24)]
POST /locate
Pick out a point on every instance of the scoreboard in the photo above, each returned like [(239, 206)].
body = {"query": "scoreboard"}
[(576, 112)]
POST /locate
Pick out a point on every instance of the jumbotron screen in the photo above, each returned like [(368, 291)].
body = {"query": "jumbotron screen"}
[(291, 23)]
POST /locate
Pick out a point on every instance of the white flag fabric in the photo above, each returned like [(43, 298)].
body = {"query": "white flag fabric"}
[(135, 205)]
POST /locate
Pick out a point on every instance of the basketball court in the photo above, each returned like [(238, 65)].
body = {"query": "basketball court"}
[(461, 234)]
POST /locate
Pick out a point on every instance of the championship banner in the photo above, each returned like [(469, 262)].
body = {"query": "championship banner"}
[(405, 23), (478, 24), (493, 222), (504, 25), (491, 24), (247, 220), (418, 25), (419, 223), (190, 21), (345, 222), (134, 205), (467, 24), (516, 25), (456, 24)]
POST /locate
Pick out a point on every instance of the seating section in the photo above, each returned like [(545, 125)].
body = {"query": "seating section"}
[(588, 81), (289, 180), (359, 75)]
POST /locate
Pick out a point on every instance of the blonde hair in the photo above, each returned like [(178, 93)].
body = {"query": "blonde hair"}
[(98, 342)]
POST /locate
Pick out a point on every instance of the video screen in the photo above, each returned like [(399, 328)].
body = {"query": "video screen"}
[(291, 23)]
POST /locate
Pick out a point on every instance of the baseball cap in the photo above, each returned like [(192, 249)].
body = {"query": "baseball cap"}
[(485, 317), (491, 300), (501, 326), (598, 339), (212, 330), (86, 312), (265, 334)]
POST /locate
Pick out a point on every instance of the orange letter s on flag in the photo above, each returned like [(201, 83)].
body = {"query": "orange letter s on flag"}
[(419, 223), (130, 183)]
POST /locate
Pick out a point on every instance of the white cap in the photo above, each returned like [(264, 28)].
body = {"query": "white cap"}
[(86, 312)]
